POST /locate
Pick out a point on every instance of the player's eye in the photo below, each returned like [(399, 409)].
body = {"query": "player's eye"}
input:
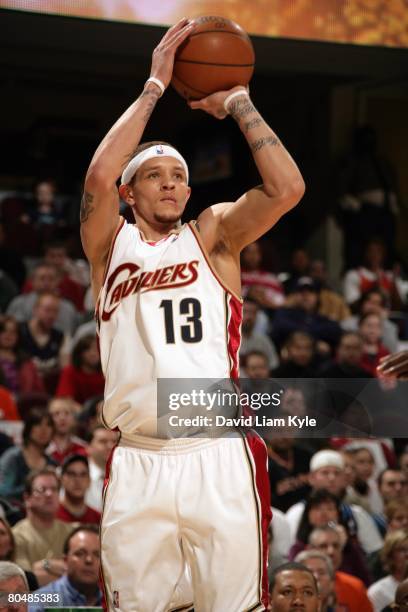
[(153, 175), (178, 175)]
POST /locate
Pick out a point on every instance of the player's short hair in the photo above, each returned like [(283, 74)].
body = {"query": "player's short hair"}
[(88, 528), (294, 566)]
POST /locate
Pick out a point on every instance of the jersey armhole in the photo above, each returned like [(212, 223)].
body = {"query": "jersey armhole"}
[(196, 234)]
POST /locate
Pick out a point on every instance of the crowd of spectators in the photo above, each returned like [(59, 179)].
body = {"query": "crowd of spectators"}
[(340, 501)]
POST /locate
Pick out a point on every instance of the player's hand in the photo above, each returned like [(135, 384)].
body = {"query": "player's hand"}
[(163, 55), (214, 104), (395, 366)]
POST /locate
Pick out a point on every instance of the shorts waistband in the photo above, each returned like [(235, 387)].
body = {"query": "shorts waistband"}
[(173, 446)]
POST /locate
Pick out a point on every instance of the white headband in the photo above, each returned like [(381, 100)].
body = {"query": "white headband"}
[(153, 151)]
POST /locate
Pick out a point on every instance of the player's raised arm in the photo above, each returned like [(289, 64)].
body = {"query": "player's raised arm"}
[(259, 209), (100, 202)]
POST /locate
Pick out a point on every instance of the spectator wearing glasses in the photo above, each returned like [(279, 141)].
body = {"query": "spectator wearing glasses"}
[(75, 482), (78, 586), (40, 536)]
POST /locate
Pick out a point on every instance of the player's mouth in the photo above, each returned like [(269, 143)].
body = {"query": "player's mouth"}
[(168, 199)]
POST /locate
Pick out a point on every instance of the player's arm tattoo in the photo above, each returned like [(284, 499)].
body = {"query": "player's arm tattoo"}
[(86, 206), (253, 123), (239, 109), (269, 141), (153, 96)]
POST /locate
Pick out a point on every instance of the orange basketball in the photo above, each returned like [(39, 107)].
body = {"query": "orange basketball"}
[(217, 56)]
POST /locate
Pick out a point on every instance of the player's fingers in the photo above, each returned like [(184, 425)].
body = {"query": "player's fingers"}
[(177, 26), (177, 38), (393, 361), (196, 104)]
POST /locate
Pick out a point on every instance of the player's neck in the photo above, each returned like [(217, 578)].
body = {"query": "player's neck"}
[(155, 232)]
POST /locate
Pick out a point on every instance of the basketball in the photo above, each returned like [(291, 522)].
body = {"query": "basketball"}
[(217, 56)]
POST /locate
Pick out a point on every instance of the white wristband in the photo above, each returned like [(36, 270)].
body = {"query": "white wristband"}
[(241, 92), (159, 84)]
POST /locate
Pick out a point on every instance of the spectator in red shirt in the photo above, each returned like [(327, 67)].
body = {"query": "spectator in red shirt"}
[(64, 443), (20, 372), (75, 481), (262, 286), (371, 331), (83, 378)]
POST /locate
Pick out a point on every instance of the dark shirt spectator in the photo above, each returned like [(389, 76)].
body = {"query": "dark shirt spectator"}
[(11, 262), (298, 356), (299, 266), (288, 472), (16, 462), (303, 316), (348, 358), (42, 341), (42, 211)]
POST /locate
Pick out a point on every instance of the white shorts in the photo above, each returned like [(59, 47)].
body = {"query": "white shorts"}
[(179, 506)]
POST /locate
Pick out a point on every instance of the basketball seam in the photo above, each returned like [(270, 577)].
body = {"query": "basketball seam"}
[(220, 32), (187, 61), (200, 91)]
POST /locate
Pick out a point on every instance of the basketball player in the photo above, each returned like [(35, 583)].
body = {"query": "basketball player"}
[(168, 302)]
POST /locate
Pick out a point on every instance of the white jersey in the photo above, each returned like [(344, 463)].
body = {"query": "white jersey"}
[(162, 312)]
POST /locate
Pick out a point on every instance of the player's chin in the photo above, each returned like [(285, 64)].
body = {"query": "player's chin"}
[(167, 217)]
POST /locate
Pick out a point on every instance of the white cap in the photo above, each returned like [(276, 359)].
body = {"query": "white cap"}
[(326, 458)]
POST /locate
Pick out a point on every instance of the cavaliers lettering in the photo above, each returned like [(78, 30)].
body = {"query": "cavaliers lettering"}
[(125, 280)]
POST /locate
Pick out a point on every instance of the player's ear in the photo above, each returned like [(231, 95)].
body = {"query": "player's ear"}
[(188, 194), (126, 194)]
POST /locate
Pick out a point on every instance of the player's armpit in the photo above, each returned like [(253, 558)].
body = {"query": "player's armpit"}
[(256, 212), (99, 216)]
